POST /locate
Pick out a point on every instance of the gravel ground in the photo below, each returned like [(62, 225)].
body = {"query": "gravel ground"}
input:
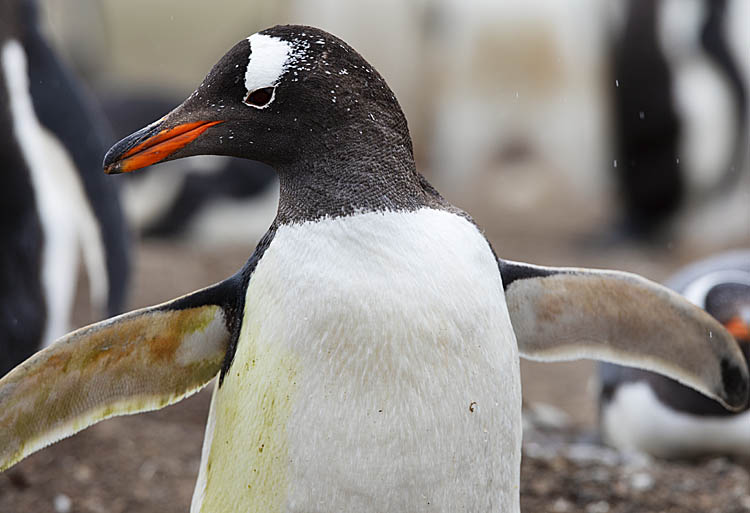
[(566, 470), (148, 463)]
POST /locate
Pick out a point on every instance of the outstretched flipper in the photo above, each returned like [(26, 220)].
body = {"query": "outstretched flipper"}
[(140, 361), (568, 313)]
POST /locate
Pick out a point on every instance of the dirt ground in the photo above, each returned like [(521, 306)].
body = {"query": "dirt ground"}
[(148, 463)]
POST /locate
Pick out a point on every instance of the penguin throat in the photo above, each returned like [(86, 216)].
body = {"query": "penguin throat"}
[(337, 186)]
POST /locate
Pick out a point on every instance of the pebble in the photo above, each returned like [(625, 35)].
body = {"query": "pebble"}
[(546, 416), (562, 506), (719, 465), (62, 503), (601, 475), (598, 507), (587, 453), (147, 470), (687, 485), (537, 451), (82, 473), (641, 481), (634, 460)]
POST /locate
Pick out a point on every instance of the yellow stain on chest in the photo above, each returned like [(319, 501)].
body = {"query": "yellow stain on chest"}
[(247, 465)]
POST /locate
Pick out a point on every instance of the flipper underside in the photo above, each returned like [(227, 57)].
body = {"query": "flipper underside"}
[(569, 313), (140, 361)]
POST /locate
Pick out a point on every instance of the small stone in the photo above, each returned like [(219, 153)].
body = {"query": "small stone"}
[(82, 473), (719, 466), (562, 506), (537, 451), (687, 485), (641, 481), (546, 416), (636, 460), (62, 503), (590, 454), (601, 475), (147, 470), (598, 507)]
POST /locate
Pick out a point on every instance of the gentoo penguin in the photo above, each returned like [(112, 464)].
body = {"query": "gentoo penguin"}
[(646, 125), (367, 352), (640, 410), (665, 70), (54, 200)]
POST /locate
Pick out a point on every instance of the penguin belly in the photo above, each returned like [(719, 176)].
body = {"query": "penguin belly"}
[(667, 433), (376, 370)]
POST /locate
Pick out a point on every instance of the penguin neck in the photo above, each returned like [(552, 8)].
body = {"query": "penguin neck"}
[(338, 183)]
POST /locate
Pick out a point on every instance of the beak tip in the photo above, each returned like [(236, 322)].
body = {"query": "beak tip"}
[(110, 162), (112, 168)]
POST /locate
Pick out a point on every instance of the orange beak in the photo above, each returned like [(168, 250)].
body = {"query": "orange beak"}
[(151, 145), (738, 328)]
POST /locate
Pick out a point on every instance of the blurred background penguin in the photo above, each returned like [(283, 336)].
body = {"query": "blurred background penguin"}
[(55, 204)]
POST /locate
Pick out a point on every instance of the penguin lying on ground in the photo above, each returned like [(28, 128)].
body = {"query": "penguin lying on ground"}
[(365, 352), (643, 411), (54, 201)]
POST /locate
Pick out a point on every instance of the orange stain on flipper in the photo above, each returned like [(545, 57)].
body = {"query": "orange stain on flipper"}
[(157, 148), (136, 362)]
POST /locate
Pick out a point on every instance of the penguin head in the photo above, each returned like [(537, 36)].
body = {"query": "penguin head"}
[(729, 303), (725, 294), (284, 96)]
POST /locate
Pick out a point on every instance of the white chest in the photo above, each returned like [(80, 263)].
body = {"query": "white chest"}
[(376, 371)]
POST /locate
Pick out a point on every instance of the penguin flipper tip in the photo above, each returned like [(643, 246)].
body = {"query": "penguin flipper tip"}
[(140, 361)]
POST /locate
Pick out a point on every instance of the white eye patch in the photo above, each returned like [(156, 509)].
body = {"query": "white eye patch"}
[(269, 58)]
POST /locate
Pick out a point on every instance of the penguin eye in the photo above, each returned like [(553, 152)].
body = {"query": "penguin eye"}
[(260, 97)]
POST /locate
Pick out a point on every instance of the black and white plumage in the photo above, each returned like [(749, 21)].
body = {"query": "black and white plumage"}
[(367, 352), (665, 69), (55, 200), (644, 411)]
